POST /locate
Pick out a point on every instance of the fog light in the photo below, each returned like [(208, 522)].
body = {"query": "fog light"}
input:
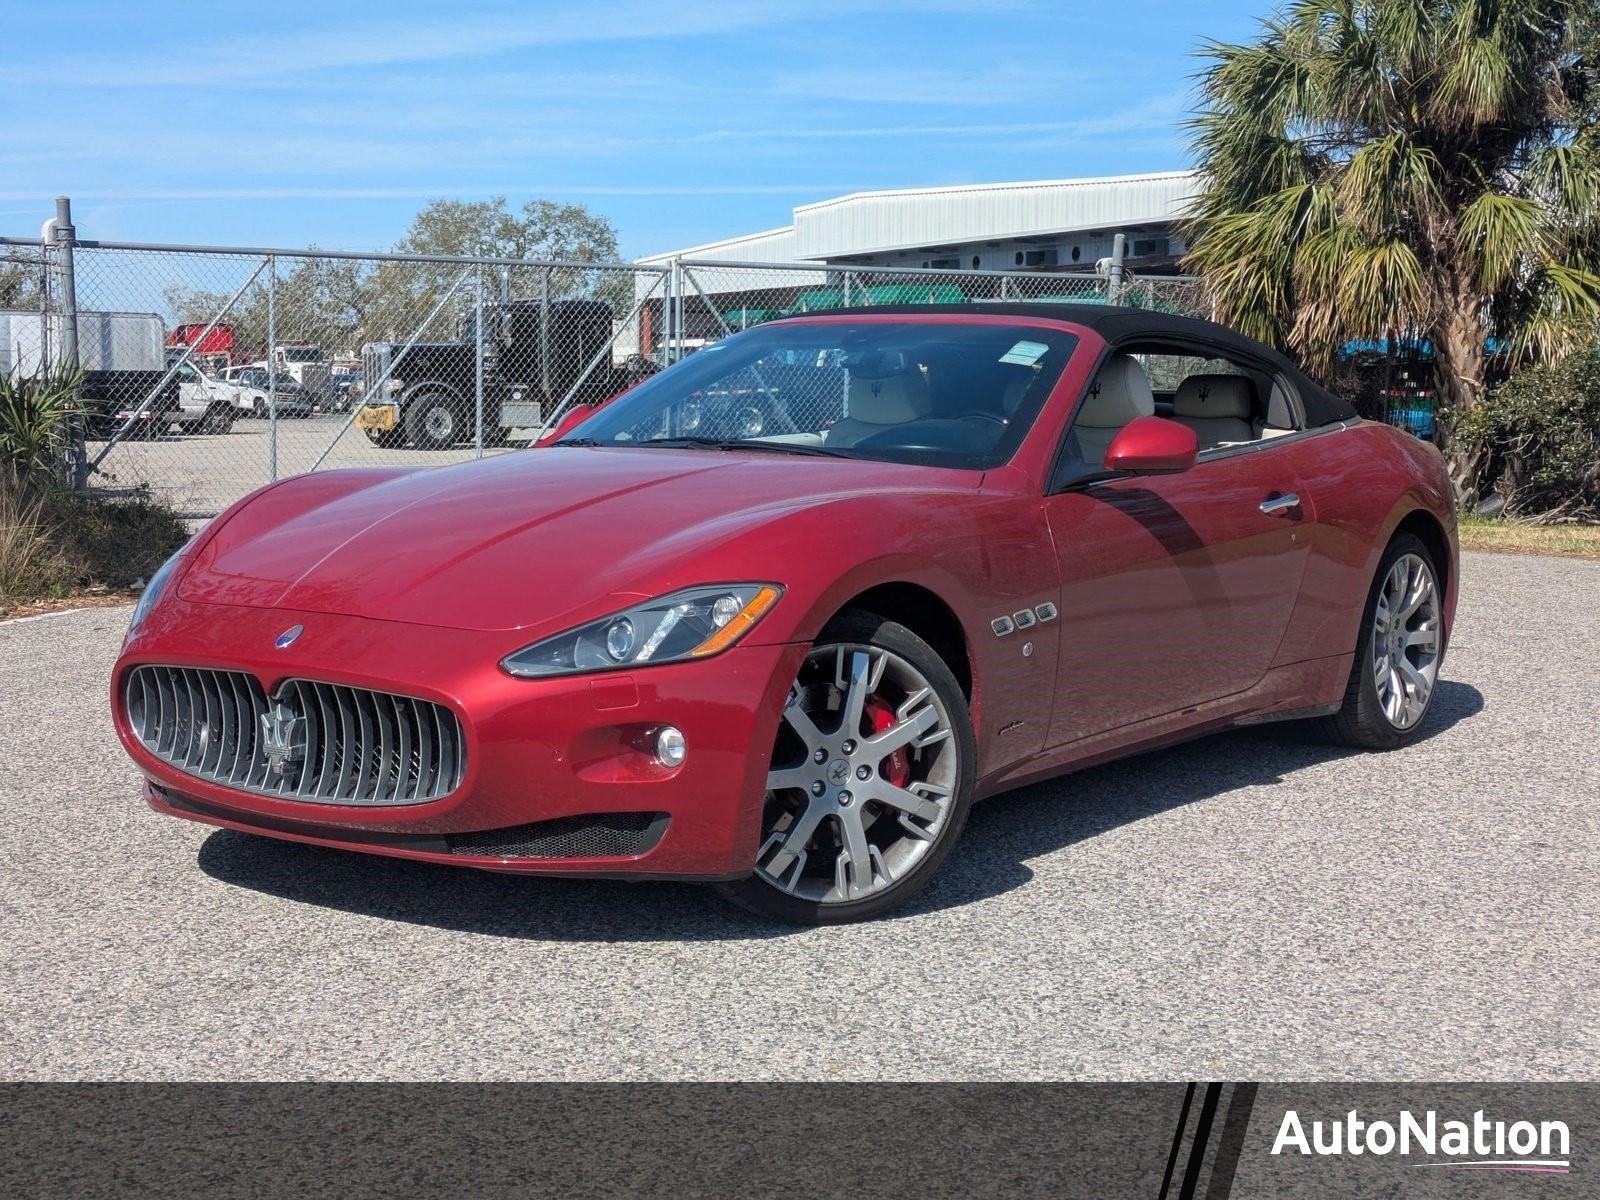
[(671, 749)]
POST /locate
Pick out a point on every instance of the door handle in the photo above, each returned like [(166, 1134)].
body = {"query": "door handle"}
[(1280, 506)]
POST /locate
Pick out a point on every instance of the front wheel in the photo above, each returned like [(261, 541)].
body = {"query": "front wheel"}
[(431, 423), (219, 419), (1398, 654), (870, 782)]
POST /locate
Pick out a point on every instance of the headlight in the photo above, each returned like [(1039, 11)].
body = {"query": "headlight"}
[(152, 590), (694, 623)]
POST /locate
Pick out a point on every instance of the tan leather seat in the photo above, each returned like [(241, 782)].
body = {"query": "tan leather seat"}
[(878, 404), (1121, 393), (1219, 408)]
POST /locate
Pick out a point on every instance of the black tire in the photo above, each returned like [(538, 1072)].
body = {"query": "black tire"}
[(758, 896), (219, 419), (433, 423), (1361, 721)]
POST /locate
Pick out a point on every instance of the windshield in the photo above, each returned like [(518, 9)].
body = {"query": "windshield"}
[(301, 354), (943, 393)]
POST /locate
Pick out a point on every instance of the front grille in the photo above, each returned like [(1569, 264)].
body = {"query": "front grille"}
[(319, 742), (592, 835), (374, 364)]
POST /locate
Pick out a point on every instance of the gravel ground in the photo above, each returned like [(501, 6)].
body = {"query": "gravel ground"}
[(200, 474), (1246, 906)]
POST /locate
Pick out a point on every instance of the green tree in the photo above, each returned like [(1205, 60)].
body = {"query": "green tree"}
[(1383, 168), (339, 304), (20, 273), (489, 229), (541, 230)]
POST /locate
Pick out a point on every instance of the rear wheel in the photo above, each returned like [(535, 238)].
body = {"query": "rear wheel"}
[(219, 419), (1398, 655), (870, 780)]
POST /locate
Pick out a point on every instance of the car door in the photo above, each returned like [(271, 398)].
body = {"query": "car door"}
[(1176, 589), (193, 395)]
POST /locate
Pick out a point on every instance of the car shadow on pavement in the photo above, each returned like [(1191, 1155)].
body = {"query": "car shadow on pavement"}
[(1002, 835)]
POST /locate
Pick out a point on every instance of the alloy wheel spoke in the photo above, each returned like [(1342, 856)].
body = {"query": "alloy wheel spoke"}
[(783, 778), (1399, 574), (855, 857), (1421, 592), (795, 840), (857, 679), (902, 733), (1426, 638), (907, 801), (799, 720), (1397, 693), (1420, 683)]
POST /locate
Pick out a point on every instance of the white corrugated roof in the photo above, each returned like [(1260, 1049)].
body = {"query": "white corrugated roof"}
[(907, 218)]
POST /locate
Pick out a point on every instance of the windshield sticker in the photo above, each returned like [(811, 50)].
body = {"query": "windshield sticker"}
[(1025, 354)]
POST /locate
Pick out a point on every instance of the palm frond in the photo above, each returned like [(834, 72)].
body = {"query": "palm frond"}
[(1391, 181), (1495, 233)]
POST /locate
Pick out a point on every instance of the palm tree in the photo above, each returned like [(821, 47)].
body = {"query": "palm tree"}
[(1395, 168)]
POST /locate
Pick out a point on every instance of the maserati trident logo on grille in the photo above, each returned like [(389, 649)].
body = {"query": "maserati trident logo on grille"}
[(282, 738), (288, 636)]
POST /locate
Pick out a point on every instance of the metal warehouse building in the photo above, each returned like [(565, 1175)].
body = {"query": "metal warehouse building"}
[(1048, 225)]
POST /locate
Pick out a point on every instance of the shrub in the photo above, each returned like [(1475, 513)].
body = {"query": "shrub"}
[(54, 542), (36, 416), (113, 541), (32, 566), (1541, 432)]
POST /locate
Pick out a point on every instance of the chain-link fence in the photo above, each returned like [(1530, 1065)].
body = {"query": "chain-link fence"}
[(211, 371)]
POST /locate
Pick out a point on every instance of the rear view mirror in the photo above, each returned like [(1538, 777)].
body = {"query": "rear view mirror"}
[(876, 364), (1152, 446)]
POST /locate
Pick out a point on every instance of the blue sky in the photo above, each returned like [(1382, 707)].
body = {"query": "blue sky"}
[(682, 120)]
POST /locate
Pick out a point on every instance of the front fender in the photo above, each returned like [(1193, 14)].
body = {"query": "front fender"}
[(430, 387)]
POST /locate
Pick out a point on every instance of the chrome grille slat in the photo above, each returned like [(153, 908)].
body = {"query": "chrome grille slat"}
[(350, 745), (215, 734), (404, 766), (325, 712), (168, 727), (425, 776), (245, 714)]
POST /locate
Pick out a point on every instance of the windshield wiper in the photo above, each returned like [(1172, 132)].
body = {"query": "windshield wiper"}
[(712, 443), (578, 441)]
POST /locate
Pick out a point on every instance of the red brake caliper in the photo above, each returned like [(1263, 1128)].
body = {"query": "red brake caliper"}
[(897, 767)]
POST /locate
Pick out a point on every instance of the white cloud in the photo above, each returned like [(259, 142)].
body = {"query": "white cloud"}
[(274, 54)]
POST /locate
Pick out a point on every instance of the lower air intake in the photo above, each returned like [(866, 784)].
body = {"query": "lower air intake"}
[(592, 835)]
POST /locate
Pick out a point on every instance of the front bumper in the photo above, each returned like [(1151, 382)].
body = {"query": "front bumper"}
[(537, 751)]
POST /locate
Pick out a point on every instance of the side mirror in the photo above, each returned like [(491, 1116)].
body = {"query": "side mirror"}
[(1152, 446)]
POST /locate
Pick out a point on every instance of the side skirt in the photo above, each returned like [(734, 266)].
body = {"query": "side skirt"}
[(1297, 691)]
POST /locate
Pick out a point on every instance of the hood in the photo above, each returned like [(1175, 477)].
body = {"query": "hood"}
[(523, 539)]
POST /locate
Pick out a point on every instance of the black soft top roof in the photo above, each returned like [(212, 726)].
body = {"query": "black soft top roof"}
[(1120, 325)]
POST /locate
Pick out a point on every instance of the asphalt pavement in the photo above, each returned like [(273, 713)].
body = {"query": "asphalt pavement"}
[(1251, 905)]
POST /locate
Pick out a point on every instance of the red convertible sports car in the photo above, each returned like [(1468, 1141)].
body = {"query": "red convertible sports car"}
[(776, 617)]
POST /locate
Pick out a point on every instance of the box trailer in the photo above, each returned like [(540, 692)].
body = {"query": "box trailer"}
[(122, 357)]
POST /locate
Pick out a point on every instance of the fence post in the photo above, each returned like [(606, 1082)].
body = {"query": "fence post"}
[(272, 368), (66, 237), (544, 333), (668, 310), (477, 364), (1119, 252)]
